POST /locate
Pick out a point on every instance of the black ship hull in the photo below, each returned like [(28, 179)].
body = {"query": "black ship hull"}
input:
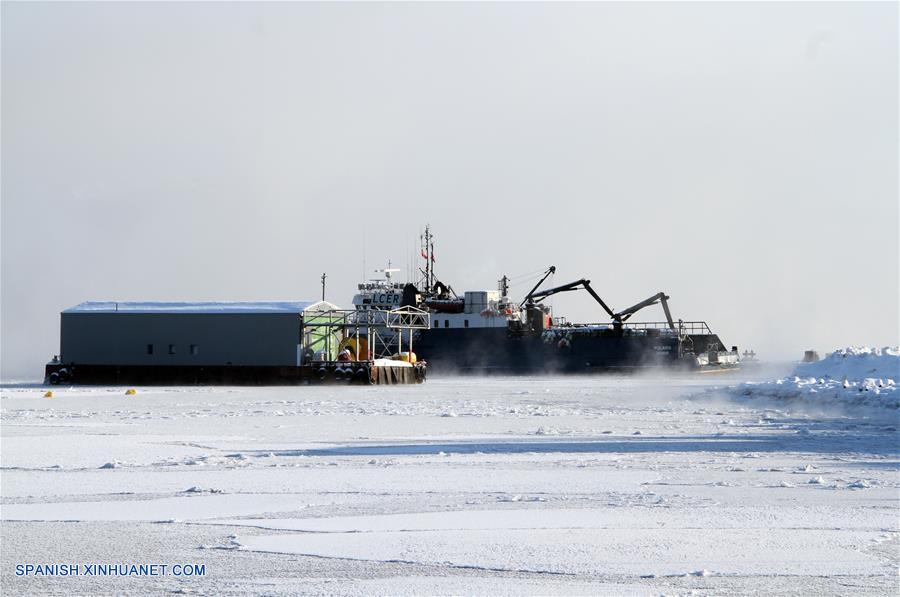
[(497, 350)]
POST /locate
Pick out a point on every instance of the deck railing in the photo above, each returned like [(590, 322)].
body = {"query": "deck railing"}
[(685, 327)]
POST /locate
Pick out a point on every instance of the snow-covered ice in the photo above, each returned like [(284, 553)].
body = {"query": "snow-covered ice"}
[(850, 378), (571, 485), (855, 362)]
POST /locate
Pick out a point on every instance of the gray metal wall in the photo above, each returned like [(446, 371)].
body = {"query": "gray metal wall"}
[(220, 338)]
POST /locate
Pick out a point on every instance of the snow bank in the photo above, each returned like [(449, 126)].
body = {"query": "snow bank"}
[(855, 363), (849, 377)]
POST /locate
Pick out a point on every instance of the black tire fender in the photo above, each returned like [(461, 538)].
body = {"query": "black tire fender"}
[(360, 375)]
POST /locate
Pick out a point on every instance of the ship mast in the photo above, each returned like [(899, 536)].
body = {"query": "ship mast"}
[(503, 286), (428, 253)]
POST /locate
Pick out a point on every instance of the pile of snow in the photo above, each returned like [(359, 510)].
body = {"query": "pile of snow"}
[(849, 377), (855, 363)]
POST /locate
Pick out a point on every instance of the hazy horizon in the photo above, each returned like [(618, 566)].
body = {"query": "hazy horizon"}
[(741, 157)]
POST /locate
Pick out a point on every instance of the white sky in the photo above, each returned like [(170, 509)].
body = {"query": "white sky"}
[(741, 157)]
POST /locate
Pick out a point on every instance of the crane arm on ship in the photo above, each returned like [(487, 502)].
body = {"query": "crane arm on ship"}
[(550, 270), (582, 283), (660, 297)]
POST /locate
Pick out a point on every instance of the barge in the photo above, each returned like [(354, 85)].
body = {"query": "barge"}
[(239, 343)]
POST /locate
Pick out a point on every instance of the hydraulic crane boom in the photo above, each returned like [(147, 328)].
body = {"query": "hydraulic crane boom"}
[(618, 318), (660, 297), (550, 270), (586, 284)]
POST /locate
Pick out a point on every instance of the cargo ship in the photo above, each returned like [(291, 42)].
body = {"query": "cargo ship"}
[(486, 331)]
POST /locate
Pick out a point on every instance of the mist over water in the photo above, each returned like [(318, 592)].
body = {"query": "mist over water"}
[(741, 157)]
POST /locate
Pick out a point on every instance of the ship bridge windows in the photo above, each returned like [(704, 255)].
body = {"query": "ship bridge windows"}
[(149, 349), (465, 323), (195, 350), (446, 323), (437, 322), (171, 349)]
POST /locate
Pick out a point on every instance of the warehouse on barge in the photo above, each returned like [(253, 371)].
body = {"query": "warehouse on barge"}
[(229, 343)]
